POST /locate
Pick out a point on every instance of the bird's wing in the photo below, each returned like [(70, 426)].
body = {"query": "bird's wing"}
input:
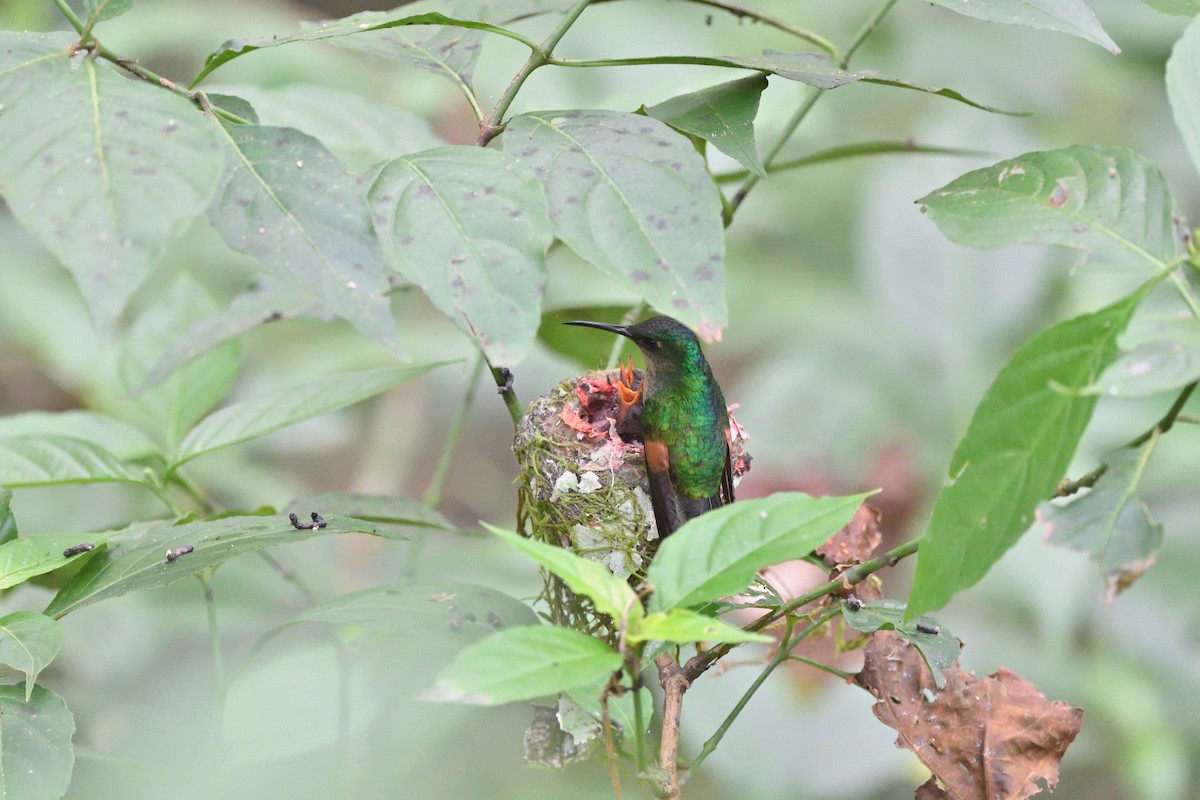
[(726, 496), (668, 511)]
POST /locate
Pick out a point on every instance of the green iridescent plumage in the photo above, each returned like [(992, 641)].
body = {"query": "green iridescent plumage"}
[(685, 424)]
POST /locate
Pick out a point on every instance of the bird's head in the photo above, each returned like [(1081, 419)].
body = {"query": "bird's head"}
[(667, 344)]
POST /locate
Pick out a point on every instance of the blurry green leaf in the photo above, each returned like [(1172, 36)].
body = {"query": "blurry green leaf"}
[(611, 595), (29, 556), (521, 664), (1108, 202), (29, 641), (683, 626), (633, 198), (360, 131), (1183, 8), (1016, 449), (137, 559), (375, 508), (718, 553), (250, 419), (8, 520), (121, 439), (36, 758), (47, 459), (1109, 523), (288, 202), (589, 352), (106, 9), (1155, 365), (471, 228), (721, 115), (1183, 77), (1064, 16), (937, 645), (264, 301), (171, 407), (83, 182), (620, 709)]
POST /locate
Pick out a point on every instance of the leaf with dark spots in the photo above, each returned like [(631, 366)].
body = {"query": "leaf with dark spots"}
[(993, 738), (469, 253), (1064, 16), (619, 186), (373, 508), (937, 645), (306, 221)]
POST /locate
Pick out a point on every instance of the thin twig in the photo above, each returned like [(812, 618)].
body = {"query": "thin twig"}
[(858, 150), (775, 22), (222, 684), (288, 575), (614, 774), (674, 683)]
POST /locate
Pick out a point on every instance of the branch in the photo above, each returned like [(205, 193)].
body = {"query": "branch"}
[(674, 683), (775, 22)]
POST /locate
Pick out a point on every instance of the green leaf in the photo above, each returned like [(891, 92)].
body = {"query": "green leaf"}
[(171, 407), (633, 198), (289, 203), (718, 553), (937, 645), (1108, 202), (1109, 523), (82, 182), (249, 419), (106, 9), (1183, 72), (682, 626), (359, 131), (589, 352), (1183, 8), (611, 595), (1167, 360), (1063, 16), (371, 507), (137, 559), (721, 115), (1015, 451), (521, 664), (29, 556), (471, 228), (36, 758), (8, 520), (47, 459), (121, 439), (264, 301), (28, 643)]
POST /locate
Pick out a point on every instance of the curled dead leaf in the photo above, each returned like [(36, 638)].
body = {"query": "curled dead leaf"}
[(854, 543), (993, 738)]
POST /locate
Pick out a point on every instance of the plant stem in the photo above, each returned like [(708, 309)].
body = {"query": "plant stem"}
[(781, 655), (790, 128), (214, 635), (775, 22), (674, 683), (288, 575), (433, 494), (504, 385), (700, 662), (614, 356), (823, 667), (539, 56), (614, 774), (639, 722), (851, 151)]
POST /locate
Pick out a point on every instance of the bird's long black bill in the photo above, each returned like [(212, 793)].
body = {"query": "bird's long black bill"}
[(604, 326)]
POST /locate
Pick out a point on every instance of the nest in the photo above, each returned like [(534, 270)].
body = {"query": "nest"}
[(583, 487)]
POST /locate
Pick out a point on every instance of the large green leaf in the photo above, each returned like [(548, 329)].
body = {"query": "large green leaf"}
[(681, 626), (28, 643), (250, 419), (48, 459), (721, 115), (589, 352), (1110, 523), (610, 594), (36, 757), (1163, 359), (121, 439), (937, 645), (82, 182), (633, 198), (1108, 202), (1015, 451), (471, 228), (288, 202), (1183, 75), (372, 507), (718, 553), (138, 559), (1064, 16), (521, 664), (29, 556)]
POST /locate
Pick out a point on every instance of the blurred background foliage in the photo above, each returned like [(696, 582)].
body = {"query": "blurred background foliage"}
[(860, 341)]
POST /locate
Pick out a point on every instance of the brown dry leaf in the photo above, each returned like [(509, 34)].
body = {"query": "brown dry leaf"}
[(854, 543), (993, 738)]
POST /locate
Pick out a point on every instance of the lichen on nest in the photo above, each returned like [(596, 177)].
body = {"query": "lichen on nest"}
[(583, 486)]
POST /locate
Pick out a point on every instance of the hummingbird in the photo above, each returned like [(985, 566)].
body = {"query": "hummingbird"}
[(685, 423)]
